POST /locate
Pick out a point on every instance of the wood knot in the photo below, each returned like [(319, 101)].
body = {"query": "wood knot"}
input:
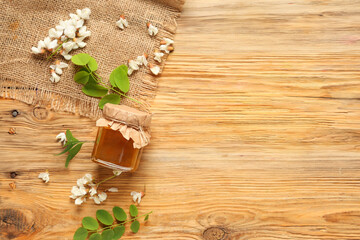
[(15, 222), (13, 174), (40, 113), (214, 233)]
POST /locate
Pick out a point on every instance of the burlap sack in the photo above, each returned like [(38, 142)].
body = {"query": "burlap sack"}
[(25, 77)]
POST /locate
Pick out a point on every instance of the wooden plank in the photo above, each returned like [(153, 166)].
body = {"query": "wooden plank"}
[(255, 133)]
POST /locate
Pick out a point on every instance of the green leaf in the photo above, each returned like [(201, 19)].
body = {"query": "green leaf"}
[(135, 226), (90, 223), (84, 69), (72, 153), (68, 146), (80, 234), (95, 236), (146, 217), (92, 64), (94, 90), (118, 232), (119, 214), (82, 77), (110, 98), (107, 234), (81, 59), (69, 137), (104, 217), (119, 78), (133, 210)]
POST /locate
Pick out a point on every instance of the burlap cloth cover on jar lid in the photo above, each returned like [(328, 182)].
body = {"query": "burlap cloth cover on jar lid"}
[(130, 122), (25, 76)]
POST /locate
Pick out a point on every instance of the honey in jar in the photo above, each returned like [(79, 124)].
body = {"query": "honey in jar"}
[(123, 133)]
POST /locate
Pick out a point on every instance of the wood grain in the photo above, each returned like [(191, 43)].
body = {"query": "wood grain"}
[(255, 133)]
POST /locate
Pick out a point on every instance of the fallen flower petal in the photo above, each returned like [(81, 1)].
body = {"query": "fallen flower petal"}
[(61, 137), (154, 69), (79, 201), (158, 56), (136, 196), (133, 65), (113, 189), (152, 30), (45, 176), (122, 23), (102, 196), (166, 41), (142, 60), (166, 48)]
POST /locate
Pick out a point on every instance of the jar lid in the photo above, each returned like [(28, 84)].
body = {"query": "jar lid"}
[(127, 115)]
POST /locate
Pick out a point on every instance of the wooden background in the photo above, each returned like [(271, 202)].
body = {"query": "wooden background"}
[(256, 133)]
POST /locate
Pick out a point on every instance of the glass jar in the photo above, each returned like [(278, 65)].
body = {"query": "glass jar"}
[(123, 133)]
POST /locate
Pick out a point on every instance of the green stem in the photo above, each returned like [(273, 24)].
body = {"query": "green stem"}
[(97, 77), (123, 223), (56, 50), (106, 179)]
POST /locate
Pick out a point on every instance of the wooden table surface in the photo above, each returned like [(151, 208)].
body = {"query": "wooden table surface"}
[(256, 133)]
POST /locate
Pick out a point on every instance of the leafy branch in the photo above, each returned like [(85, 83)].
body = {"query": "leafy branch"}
[(114, 228), (94, 85), (72, 147)]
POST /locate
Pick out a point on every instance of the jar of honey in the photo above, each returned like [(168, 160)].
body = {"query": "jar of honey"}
[(123, 133)]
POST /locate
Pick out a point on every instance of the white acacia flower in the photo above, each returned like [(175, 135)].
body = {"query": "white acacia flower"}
[(84, 180), (102, 196), (54, 77), (79, 42), (83, 32), (70, 31), (122, 23), (50, 45), (61, 26), (79, 201), (40, 47), (61, 137), (92, 191), (84, 13), (58, 67), (53, 33), (113, 189), (68, 46), (66, 54), (136, 196), (44, 176), (158, 56), (78, 194), (75, 21), (166, 41), (152, 30), (142, 60), (79, 23), (154, 69), (133, 66), (78, 191), (117, 172), (166, 48), (99, 198)]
